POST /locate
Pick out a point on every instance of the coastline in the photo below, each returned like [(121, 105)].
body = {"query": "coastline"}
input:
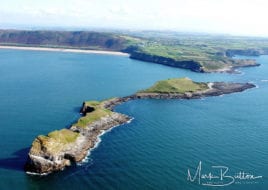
[(189, 65), (103, 52)]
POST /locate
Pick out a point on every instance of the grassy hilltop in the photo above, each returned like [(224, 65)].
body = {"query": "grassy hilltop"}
[(176, 85)]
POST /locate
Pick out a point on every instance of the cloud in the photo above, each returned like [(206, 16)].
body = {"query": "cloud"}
[(227, 16)]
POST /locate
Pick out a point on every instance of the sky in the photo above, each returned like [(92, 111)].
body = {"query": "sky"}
[(239, 17)]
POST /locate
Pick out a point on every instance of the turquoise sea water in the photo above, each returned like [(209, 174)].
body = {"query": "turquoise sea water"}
[(43, 91)]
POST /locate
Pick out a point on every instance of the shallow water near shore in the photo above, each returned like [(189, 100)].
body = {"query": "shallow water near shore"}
[(43, 91)]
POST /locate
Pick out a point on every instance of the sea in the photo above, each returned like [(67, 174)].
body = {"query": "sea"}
[(209, 143)]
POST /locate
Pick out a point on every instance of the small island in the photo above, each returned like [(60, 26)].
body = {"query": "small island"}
[(61, 148)]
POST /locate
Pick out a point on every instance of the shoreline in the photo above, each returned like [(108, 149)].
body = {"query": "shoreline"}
[(98, 141), (68, 50)]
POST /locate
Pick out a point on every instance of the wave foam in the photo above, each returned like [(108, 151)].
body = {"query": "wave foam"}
[(38, 174), (98, 141)]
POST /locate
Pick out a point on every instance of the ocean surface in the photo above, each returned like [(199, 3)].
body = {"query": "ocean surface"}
[(43, 91)]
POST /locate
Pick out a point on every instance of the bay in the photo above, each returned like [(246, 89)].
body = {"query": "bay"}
[(43, 91)]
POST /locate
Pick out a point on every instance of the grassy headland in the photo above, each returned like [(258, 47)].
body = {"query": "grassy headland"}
[(197, 52)]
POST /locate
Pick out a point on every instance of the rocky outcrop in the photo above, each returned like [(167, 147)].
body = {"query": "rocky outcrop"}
[(191, 65), (51, 153), (48, 154)]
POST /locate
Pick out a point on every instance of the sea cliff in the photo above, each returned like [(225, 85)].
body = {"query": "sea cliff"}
[(229, 65), (191, 64)]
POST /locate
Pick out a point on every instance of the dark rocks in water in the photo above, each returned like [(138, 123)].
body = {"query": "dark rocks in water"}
[(219, 88)]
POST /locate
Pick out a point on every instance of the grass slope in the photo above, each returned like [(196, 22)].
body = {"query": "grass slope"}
[(54, 142), (98, 112), (176, 85)]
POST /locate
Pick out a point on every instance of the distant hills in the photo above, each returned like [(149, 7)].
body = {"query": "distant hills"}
[(80, 39)]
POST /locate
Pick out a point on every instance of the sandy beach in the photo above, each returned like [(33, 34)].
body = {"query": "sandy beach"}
[(65, 50)]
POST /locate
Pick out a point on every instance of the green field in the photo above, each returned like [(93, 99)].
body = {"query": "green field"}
[(98, 112)]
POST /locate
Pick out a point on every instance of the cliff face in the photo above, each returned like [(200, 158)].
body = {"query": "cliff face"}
[(229, 66), (192, 65)]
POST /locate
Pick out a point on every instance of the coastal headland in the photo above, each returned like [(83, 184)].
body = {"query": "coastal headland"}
[(198, 53), (61, 148)]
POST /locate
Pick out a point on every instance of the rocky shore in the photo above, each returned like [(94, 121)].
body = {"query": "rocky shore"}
[(215, 89), (62, 148)]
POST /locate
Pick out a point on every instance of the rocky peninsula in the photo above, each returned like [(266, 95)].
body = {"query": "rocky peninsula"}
[(61, 148)]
